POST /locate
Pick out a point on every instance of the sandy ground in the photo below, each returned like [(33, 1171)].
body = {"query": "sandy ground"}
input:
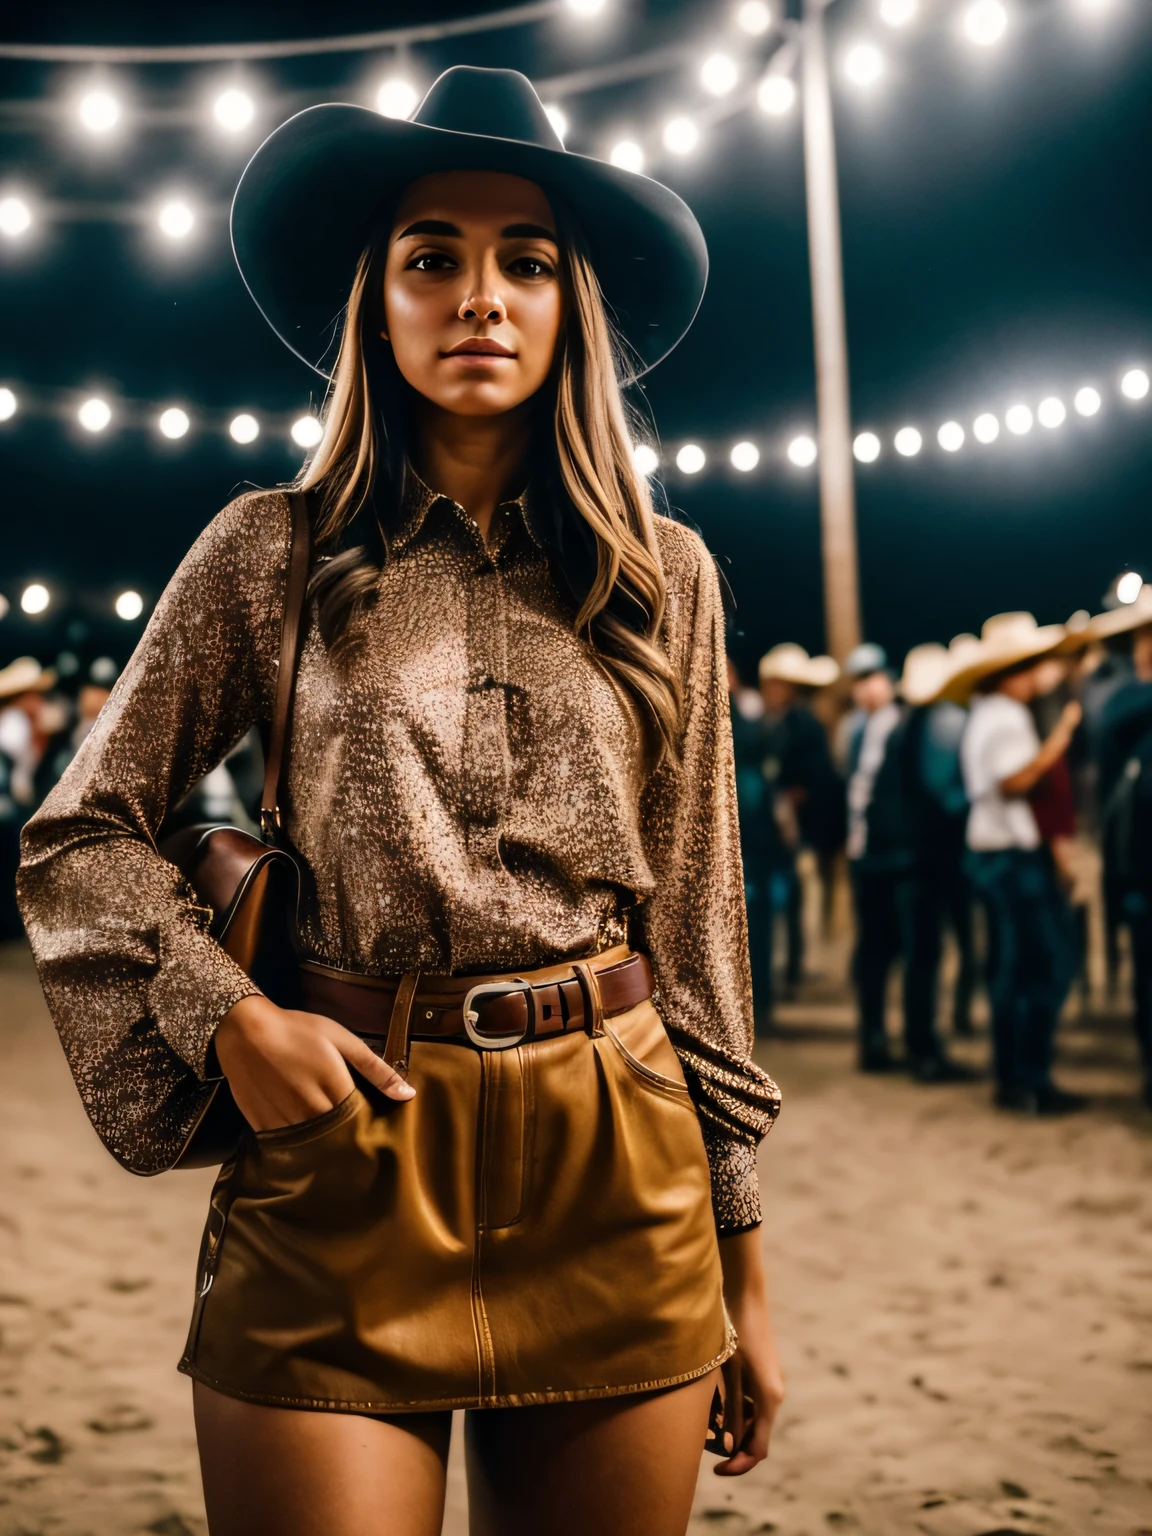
[(964, 1303)]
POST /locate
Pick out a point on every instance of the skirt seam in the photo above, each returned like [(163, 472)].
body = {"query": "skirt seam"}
[(483, 1400)]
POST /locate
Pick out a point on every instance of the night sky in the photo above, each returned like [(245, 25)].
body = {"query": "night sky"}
[(997, 225)]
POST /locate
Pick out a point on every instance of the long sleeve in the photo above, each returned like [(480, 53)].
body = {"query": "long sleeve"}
[(695, 923), (130, 974)]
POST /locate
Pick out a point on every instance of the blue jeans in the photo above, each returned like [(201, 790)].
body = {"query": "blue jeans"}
[(1031, 960)]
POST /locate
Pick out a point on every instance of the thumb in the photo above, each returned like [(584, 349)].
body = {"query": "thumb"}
[(357, 1053)]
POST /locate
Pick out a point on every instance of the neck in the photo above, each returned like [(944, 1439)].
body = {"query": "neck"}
[(478, 461)]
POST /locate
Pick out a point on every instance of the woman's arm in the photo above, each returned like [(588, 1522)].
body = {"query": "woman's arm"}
[(1026, 779), (755, 1367)]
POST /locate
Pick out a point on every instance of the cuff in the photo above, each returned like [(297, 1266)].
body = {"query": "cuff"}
[(735, 1186), (194, 987)]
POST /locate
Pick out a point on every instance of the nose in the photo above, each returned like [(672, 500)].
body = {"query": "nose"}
[(481, 306)]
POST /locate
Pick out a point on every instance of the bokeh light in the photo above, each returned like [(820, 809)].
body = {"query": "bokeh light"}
[(718, 74), (908, 442), (986, 428), (35, 597), (244, 428), (94, 415), (898, 13), (866, 447), (985, 22), (745, 457), (129, 605), (1135, 384), (397, 97), (1087, 400), (691, 459), (174, 422), (557, 117), (753, 17), (1051, 412), (802, 451), (646, 459), (864, 64), (628, 155), (1129, 587), (15, 217), (99, 111), (776, 94), (1018, 419), (681, 135), (233, 110), (307, 431), (8, 403), (175, 219)]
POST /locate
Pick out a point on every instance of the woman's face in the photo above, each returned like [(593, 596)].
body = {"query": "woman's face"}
[(473, 306)]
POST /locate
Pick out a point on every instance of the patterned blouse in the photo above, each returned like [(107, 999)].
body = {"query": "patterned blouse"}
[(466, 790)]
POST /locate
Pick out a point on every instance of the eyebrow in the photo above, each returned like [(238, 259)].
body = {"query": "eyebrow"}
[(443, 227)]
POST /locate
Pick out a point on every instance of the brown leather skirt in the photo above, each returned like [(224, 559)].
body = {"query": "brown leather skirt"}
[(534, 1226)]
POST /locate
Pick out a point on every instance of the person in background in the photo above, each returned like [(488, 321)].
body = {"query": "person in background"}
[(1003, 760), (768, 863), (1124, 761), (807, 792), (900, 805), (862, 663), (23, 718)]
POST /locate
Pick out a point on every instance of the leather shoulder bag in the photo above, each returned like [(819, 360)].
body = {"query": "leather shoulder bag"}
[(251, 885)]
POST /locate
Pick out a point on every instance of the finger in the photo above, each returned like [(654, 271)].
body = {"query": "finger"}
[(361, 1056)]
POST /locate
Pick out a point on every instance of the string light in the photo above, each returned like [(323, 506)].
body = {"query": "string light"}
[(15, 217), (691, 459), (864, 64), (985, 22), (867, 447), (1051, 412), (397, 97), (557, 118), (646, 459), (986, 428), (1135, 384), (628, 156), (129, 605), (8, 404), (244, 428), (802, 452), (173, 422), (176, 219), (753, 17), (776, 94), (718, 74), (1129, 587), (744, 457), (99, 111), (307, 431), (233, 110), (908, 442), (1018, 419), (951, 437), (1087, 401), (35, 597), (898, 13), (681, 135), (94, 415)]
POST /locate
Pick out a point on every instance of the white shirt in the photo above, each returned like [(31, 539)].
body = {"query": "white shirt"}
[(873, 745), (999, 739)]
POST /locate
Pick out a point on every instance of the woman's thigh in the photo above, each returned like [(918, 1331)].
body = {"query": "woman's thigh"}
[(293, 1472), (613, 1466)]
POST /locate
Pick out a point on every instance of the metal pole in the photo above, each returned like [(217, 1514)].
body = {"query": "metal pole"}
[(834, 418)]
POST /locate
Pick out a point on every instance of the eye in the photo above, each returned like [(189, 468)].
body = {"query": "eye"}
[(431, 261), (531, 266)]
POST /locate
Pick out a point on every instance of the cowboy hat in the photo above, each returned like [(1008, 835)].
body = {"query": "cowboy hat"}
[(311, 196), (1120, 620), (790, 663), (1006, 640), (24, 675), (865, 659), (927, 668)]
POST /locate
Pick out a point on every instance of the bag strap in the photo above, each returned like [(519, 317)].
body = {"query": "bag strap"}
[(299, 558)]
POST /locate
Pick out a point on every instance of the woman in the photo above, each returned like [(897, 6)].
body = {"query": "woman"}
[(510, 762)]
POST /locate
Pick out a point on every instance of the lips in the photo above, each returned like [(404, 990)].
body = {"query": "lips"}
[(479, 346)]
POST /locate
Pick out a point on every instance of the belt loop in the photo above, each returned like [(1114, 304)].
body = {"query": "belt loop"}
[(396, 1046), (593, 1003)]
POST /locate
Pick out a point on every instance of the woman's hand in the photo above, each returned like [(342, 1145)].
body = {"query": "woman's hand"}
[(284, 1066), (755, 1368)]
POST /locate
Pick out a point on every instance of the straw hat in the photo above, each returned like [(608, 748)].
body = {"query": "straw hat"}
[(1006, 640), (792, 664), (927, 669), (1121, 620), (24, 675)]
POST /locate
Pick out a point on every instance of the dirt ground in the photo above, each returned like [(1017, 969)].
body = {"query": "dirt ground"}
[(964, 1303)]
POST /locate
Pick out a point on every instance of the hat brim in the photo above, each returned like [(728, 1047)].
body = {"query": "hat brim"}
[(306, 202), (1120, 621), (1046, 642)]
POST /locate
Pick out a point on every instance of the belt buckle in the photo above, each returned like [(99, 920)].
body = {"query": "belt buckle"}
[(502, 989)]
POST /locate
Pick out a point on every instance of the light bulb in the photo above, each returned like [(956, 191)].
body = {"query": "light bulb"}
[(35, 597), (1087, 401), (176, 220), (776, 94), (397, 97), (233, 110), (691, 459), (1018, 419), (986, 429), (897, 13), (1135, 383), (8, 404), (129, 605), (15, 217), (985, 22), (867, 447), (1051, 412), (645, 459), (951, 437), (802, 452), (99, 111), (744, 457), (628, 156), (753, 17), (681, 135), (307, 431), (718, 74), (864, 64), (244, 428), (1129, 587), (94, 415), (908, 442), (174, 422)]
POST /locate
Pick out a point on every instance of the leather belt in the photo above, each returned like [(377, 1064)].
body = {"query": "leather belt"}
[(492, 1012)]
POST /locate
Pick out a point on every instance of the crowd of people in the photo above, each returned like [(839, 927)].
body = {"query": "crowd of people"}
[(992, 776), (978, 779)]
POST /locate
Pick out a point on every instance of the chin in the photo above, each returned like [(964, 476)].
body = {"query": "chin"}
[(481, 402)]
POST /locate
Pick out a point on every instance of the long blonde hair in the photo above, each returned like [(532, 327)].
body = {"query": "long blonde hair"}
[(357, 474)]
